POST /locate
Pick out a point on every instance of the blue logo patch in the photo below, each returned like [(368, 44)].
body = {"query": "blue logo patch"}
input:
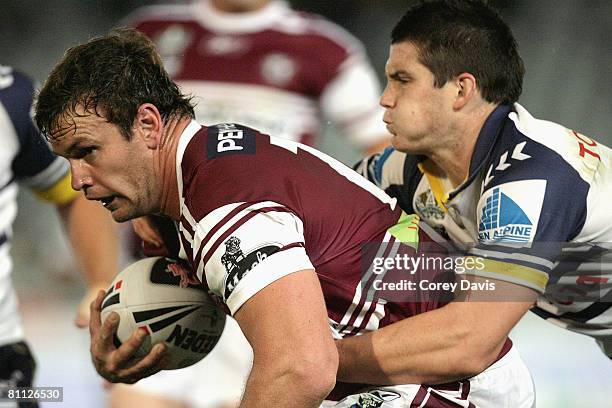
[(503, 220), (228, 139)]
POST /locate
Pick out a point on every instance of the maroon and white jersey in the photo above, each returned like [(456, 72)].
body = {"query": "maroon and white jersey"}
[(255, 208), (277, 70)]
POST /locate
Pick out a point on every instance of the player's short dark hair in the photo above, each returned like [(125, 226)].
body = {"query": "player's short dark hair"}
[(110, 76), (457, 36)]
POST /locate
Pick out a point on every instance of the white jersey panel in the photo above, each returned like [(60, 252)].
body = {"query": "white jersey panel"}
[(260, 246)]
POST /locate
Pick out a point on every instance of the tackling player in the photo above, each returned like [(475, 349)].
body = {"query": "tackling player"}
[(25, 157), (530, 196)]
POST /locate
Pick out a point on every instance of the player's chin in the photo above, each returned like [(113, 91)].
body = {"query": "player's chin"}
[(400, 143), (124, 213)]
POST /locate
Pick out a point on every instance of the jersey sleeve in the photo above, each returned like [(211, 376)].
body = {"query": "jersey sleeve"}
[(527, 214), (395, 172), (241, 248), (35, 165)]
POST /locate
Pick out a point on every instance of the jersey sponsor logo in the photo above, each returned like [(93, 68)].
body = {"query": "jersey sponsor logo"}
[(237, 264), (510, 212), (587, 146), (227, 138)]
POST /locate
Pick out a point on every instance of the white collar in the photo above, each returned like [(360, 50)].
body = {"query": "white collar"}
[(239, 23)]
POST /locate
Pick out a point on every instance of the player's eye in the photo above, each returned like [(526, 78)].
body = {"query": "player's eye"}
[(397, 78), (83, 152)]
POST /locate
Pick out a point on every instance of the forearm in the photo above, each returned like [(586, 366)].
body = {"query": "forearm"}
[(93, 237), (439, 346)]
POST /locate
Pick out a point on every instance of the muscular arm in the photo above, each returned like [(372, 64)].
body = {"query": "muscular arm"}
[(93, 237), (295, 359), (456, 341)]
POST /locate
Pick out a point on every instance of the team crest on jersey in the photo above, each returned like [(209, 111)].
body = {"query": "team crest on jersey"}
[(278, 69), (237, 264), (510, 212), (426, 206)]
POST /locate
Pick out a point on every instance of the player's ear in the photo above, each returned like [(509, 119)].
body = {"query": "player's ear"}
[(148, 125), (466, 89)]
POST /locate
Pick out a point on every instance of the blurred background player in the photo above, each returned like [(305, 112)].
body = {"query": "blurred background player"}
[(259, 63), (26, 157)]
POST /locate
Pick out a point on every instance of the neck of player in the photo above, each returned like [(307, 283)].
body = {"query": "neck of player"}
[(456, 156), (166, 166)]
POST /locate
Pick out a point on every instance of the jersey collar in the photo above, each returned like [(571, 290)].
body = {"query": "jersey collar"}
[(240, 23), (488, 136)]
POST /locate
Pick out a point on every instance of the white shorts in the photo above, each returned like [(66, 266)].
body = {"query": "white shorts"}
[(506, 384), (217, 380)]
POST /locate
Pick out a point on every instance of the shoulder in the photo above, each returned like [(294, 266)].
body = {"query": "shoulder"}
[(529, 148), (16, 91), (16, 96), (541, 172), (319, 35)]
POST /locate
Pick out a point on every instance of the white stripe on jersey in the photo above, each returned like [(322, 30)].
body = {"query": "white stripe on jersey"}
[(210, 221), (184, 140), (358, 292), (513, 255), (379, 311), (374, 321), (236, 23), (396, 244)]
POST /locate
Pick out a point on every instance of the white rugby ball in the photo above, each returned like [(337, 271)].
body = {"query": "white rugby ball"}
[(147, 295)]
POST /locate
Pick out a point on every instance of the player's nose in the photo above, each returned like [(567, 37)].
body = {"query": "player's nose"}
[(80, 178), (387, 99)]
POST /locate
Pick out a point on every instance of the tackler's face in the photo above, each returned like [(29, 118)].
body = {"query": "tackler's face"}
[(416, 111), (106, 166)]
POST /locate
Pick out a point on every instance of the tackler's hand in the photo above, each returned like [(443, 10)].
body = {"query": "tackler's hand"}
[(117, 364)]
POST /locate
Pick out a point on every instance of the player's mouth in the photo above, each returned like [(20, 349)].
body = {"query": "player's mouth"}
[(107, 201)]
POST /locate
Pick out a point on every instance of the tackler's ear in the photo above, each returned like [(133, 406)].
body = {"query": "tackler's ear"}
[(466, 89), (148, 125)]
